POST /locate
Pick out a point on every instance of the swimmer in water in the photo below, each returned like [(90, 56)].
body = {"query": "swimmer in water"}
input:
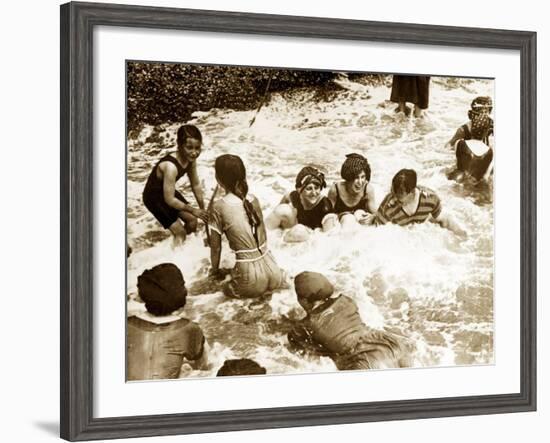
[(160, 196), (333, 327), (353, 198), (472, 143), (238, 215), (303, 209), (409, 203)]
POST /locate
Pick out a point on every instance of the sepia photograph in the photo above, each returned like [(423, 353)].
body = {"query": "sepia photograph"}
[(290, 221)]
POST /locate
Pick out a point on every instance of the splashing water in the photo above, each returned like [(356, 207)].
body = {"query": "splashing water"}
[(420, 281)]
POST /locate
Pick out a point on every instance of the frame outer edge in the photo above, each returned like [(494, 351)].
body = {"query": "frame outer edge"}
[(65, 136), (76, 205), (529, 222)]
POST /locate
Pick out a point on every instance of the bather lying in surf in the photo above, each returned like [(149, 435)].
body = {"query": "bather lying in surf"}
[(333, 327)]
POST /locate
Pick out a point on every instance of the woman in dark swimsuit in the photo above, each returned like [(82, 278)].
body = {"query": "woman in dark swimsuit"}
[(353, 198), (474, 155), (304, 208), (168, 206)]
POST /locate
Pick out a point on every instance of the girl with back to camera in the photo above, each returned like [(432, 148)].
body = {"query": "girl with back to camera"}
[(238, 215)]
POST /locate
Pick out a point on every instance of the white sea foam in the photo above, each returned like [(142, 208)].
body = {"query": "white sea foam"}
[(420, 281)]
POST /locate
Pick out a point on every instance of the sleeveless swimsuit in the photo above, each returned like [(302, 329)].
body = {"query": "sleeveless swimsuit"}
[(153, 194), (313, 217), (468, 161), (341, 208), (468, 134)]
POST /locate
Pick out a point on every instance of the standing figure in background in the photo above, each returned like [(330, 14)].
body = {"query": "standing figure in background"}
[(412, 89), (168, 206), (240, 366), (238, 215)]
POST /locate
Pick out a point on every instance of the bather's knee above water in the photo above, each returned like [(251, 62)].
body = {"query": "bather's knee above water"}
[(330, 222), (298, 233)]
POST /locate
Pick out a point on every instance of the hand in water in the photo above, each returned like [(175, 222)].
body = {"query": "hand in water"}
[(367, 219), (219, 274), (461, 233)]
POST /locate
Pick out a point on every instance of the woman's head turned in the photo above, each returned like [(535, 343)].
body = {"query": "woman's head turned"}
[(189, 140), (404, 182), (186, 132)]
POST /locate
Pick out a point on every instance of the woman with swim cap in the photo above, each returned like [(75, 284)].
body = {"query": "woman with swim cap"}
[(303, 209), (480, 106), (334, 327), (474, 155), (353, 198), (161, 342)]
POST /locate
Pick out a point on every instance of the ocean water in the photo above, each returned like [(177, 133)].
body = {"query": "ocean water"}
[(421, 282)]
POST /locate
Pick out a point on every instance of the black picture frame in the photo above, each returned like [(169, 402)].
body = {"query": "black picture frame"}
[(77, 23)]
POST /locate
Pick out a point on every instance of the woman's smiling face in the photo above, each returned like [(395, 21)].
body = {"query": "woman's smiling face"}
[(358, 183), (311, 193), (191, 149)]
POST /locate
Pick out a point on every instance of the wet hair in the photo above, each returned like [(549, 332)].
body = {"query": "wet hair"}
[(162, 288), (404, 182), (231, 173), (240, 366), (353, 166), (188, 131)]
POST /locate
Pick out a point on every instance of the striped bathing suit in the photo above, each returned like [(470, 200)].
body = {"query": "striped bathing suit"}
[(391, 210)]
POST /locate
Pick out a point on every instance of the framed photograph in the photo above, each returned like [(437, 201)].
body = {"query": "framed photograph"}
[(274, 221)]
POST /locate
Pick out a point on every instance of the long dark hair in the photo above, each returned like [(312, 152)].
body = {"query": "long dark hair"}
[(231, 173)]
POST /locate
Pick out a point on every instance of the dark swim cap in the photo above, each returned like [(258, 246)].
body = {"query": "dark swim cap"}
[(162, 288), (353, 166), (480, 105), (308, 174), (481, 125), (240, 366), (313, 286)]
